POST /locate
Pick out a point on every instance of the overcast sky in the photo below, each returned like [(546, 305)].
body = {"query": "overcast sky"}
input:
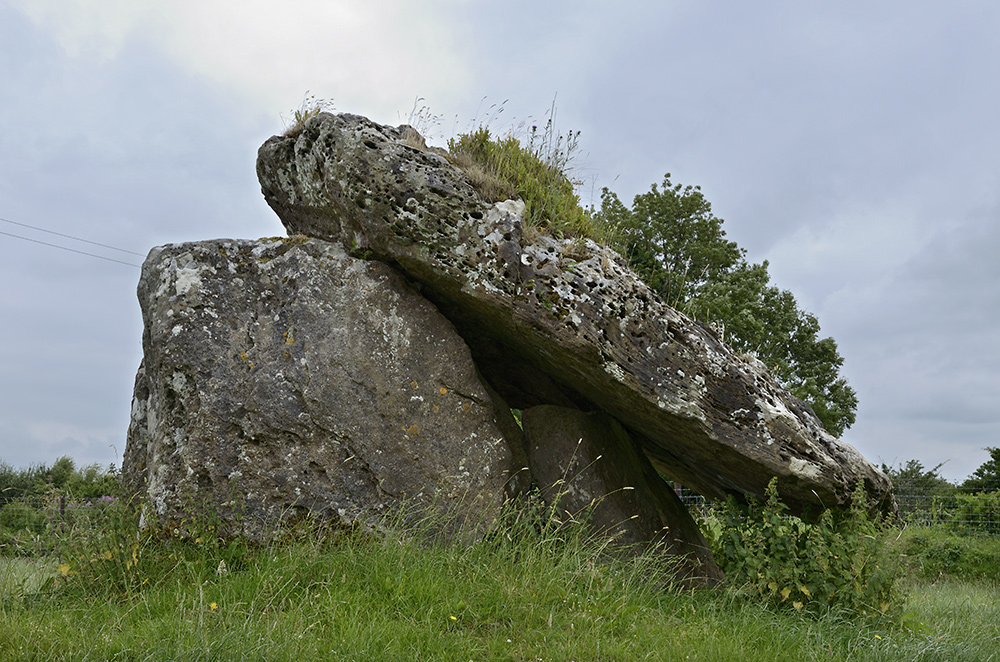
[(854, 145)]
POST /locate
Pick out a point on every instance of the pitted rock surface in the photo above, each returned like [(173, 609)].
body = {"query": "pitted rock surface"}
[(283, 376), (562, 322)]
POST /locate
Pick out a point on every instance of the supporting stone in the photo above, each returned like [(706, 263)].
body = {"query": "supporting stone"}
[(587, 465)]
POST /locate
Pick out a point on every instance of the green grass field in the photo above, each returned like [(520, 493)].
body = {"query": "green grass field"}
[(518, 595)]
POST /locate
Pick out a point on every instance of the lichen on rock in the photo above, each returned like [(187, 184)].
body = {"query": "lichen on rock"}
[(286, 377), (560, 322)]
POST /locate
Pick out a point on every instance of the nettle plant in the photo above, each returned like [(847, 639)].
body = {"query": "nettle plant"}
[(838, 562)]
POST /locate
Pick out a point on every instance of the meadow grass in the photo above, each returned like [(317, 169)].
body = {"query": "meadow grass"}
[(523, 592), (23, 576), (935, 552)]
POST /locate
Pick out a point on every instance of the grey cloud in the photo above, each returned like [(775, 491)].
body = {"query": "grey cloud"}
[(130, 153), (851, 144)]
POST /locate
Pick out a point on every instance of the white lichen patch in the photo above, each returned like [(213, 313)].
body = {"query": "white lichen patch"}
[(179, 382), (681, 408), (615, 371), (804, 469), (263, 247), (512, 207), (187, 280), (773, 409), (179, 440)]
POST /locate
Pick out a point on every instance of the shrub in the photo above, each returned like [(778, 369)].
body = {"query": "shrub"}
[(987, 477), (836, 562), (978, 512), (40, 504), (21, 528)]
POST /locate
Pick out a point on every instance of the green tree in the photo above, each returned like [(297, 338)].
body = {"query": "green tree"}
[(674, 242), (913, 480), (987, 477), (17, 483), (61, 472), (671, 239)]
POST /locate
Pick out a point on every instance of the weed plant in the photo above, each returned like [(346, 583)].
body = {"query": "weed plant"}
[(837, 563), (112, 556), (425, 122)]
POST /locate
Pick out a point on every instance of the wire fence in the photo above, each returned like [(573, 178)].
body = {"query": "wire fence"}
[(959, 510), (34, 513), (970, 512)]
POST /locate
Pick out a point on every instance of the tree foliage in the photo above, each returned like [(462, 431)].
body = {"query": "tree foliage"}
[(912, 479), (674, 242), (671, 239), (63, 476), (987, 477)]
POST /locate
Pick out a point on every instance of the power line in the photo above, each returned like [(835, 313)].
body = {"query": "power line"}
[(72, 250), (67, 236)]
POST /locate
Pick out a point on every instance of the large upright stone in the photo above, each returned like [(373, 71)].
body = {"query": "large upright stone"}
[(559, 322), (281, 377)]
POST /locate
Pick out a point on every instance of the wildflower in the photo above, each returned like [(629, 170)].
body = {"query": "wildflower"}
[(213, 606)]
